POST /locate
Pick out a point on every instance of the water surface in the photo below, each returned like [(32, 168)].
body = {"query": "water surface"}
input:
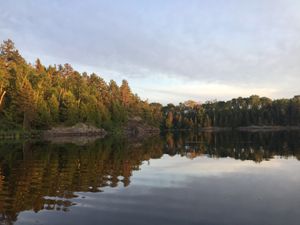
[(208, 178)]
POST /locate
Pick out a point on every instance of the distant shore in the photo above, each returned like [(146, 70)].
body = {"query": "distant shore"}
[(268, 128), (253, 128)]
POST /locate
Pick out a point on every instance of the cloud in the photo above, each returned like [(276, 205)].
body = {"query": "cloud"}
[(204, 91), (203, 166), (253, 44)]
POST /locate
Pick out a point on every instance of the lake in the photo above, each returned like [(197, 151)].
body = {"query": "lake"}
[(186, 178)]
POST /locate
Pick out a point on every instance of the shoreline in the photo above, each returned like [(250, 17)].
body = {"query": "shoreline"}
[(90, 132), (268, 128), (253, 128)]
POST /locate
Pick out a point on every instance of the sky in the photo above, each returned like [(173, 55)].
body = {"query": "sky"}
[(168, 50)]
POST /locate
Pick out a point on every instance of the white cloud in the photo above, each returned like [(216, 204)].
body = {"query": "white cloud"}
[(226, 47)]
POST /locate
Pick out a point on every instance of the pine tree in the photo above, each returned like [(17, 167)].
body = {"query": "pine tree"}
[(27, 104), (126, 94)]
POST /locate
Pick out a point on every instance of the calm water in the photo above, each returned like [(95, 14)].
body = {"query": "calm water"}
[(221, 178)]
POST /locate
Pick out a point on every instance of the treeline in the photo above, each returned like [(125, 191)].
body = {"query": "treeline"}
[(237, 112), (38, 97)]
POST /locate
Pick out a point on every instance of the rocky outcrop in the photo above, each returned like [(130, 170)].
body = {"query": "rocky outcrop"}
[(76, 140), (136, 127), (79, 129)]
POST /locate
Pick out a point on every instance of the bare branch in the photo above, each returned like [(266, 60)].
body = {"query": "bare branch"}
[(2, 97)]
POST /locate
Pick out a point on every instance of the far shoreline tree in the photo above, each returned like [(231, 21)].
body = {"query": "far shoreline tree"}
[(238, 112)]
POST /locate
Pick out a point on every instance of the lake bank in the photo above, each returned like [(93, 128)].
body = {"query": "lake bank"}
[(79, 129), (268, 128), (253, 128), (20, 134), (135, 127)]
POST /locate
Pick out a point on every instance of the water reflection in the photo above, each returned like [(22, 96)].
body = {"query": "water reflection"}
[(31, 171), (237, 145), (43, 176)]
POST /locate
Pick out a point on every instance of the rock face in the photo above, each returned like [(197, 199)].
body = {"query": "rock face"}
[(79, 129), (77, 140), (136, 127)]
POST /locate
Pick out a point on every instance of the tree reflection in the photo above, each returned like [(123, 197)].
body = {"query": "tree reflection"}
[(237, 145), (44, 176)]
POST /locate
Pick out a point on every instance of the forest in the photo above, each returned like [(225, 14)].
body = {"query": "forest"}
[(40, 97), (238, 112)]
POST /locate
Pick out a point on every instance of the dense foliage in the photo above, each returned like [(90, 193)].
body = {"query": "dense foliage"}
[(234, 113), (36, 96)]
